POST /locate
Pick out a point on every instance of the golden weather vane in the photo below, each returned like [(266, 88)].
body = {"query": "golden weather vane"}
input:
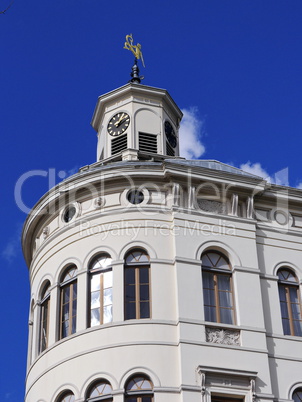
[(135, 49)]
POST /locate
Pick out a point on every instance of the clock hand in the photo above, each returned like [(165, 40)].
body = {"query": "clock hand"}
[(119, 121)]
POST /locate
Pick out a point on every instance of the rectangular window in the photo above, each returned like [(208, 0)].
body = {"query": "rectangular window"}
[(218, 298), (101, 298), (137, 292), (68, 309)]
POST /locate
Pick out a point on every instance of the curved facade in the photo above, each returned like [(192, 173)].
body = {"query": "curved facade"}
[(158, 279)]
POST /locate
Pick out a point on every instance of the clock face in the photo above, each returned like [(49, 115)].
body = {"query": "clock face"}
[(118, 124), (170, 134)]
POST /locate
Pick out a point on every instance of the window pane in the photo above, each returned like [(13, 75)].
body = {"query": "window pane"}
[(208, 280), (286, 327), (284, 310), (297, 396), (223, 282), (225, 299), (296, 312), (95, 299), (144, 275), (130, 293), (107, 296), (210, 313), (213, 257), (144, 310), (137, 256), (74, 289), (205, 262), (95, 317), (74, 322), (107, 314), (144, 292), (293, 293), (298, 328), (209, 297), (108, 279), (282, 294), (65, 328), (95, 282), (99, 389), (147, 399), (130, 275), (226, 316), (66, 294), (130, 311)]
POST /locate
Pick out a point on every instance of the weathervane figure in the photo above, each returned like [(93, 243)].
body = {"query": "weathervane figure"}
[(135, 49)]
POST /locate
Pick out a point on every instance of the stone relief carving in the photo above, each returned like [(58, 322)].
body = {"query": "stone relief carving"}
[(223, 336), (211, 206), (99, 202), (45, 232)]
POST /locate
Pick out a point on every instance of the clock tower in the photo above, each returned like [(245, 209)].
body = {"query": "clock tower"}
[(136, 122)]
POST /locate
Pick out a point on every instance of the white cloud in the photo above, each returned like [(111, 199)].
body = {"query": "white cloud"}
[(11, 250), (256, 169), (13, 246), (280, 178), (300, 186), (190, 132)]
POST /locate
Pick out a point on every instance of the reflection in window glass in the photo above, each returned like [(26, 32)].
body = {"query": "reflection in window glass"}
[(101, 290), (217, 288)]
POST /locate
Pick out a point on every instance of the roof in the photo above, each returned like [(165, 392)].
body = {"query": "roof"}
[(214, 165)]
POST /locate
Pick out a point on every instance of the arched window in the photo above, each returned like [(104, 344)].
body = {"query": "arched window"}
[(44, 318), (217, 288), (297, 395), (137, 285), (139, 389), (290, 302), (100, 290), (100, 390), (66, 397), (68, 311)]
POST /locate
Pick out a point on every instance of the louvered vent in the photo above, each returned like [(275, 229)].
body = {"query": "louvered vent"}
[(169, 150), (147, 142), (118, 144)]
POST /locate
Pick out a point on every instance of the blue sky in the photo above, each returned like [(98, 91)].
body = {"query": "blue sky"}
[(234, 66)]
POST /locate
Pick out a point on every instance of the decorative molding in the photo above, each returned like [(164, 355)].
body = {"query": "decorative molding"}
[(250, 208), (234, 210), (223, 336)]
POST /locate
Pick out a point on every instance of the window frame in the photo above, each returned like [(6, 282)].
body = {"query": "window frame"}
[(72, 285), (94, 272), (216, 273), (137, 266), (287, 286), (44, 318)]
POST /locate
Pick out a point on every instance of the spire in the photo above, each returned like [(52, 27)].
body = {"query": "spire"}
[(135, 73)]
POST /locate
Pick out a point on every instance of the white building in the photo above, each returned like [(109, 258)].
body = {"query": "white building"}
[(155, 278)]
